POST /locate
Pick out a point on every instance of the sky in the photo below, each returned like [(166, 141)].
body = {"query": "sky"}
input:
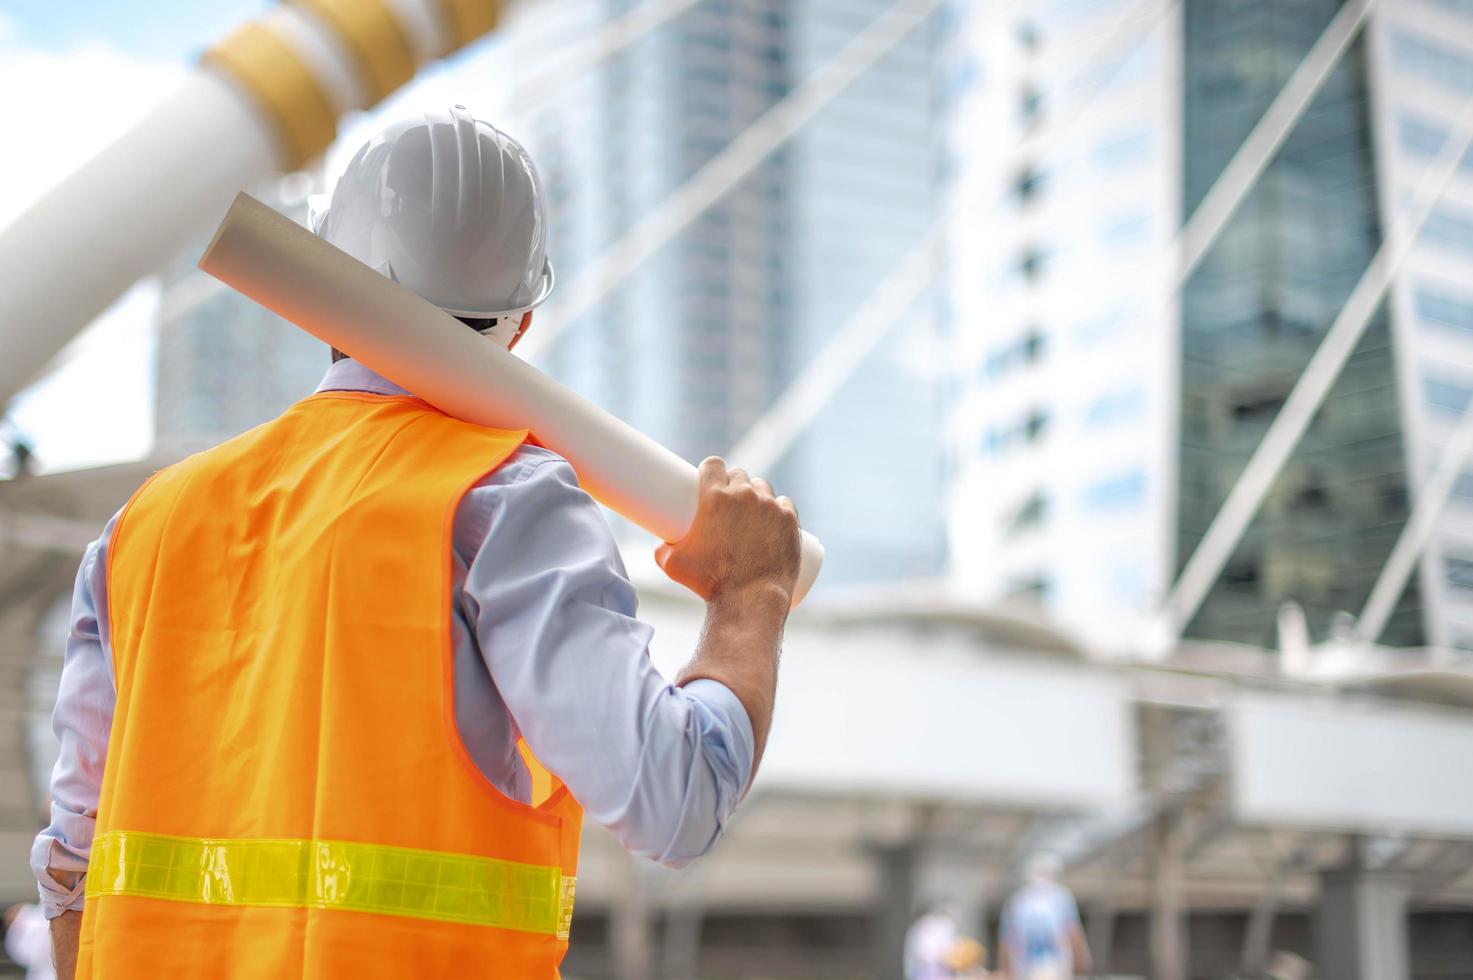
[(74, 76)]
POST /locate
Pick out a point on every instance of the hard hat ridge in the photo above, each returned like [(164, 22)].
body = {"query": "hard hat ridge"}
[(451, 208)]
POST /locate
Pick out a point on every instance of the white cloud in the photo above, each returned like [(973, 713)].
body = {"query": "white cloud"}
[(64, 108)]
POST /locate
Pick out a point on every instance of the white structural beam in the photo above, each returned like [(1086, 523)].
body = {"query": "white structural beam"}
[(805, 397), (1430, 498), (121, 216), (1320, 764), (798, 405), (735, 162), (859, 738), (1309, 392), (611, 37)]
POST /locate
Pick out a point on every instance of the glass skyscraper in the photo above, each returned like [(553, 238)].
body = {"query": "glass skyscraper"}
[(223, 363), (1256, 310), (1099, 425), (703, 338)]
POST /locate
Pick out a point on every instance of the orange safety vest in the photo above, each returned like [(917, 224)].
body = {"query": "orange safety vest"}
[(286, 793)]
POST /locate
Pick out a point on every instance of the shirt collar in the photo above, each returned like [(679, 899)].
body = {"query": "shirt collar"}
[(348, 375)]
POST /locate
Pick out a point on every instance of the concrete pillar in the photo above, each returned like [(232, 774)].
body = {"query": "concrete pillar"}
[(896, 865), (1099, 931), (957, 878), (1168, 911), (918, 873), (630, 934), (1361, 924)]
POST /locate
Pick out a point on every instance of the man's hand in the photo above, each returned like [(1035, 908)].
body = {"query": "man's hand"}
[(741, 556), (743, 538)]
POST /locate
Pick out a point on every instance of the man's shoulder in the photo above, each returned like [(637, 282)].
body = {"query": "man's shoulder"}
[(534, 486), (527, 462)]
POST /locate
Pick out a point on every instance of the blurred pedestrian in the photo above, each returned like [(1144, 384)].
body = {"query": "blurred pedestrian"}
[(1041, 936), (1288, 966), (928, 943), (28, 941), (967, 959)]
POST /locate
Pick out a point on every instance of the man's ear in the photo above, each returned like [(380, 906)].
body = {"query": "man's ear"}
[(522, 328)]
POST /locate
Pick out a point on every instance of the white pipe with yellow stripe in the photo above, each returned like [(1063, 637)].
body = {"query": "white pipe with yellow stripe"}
[(264, 100)]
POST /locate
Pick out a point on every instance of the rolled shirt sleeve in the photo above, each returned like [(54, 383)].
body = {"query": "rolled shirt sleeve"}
[(82, 721), (554, 614)]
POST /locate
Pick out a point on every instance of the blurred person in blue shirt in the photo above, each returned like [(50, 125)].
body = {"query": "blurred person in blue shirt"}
[(1041, 935)]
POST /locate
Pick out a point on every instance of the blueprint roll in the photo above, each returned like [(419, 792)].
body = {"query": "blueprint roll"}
[(343, 302)]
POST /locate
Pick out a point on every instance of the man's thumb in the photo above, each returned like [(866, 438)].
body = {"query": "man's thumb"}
[(662, 555)]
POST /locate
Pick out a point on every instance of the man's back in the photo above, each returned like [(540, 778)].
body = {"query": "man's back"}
[(279, 746)]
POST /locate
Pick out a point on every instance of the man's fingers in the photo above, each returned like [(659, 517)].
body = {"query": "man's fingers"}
[(763, 487), (736, 476), (713, 472), (786, 503)]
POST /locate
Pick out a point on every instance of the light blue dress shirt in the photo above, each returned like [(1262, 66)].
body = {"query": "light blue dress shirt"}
[(546, 646)]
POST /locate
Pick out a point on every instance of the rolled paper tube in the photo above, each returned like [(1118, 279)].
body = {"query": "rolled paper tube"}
[(343, 302)]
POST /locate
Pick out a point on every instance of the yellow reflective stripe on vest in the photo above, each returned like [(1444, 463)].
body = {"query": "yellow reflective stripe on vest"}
[(327, 874)]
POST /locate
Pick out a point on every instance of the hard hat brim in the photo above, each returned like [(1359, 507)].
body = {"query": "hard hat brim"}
[(544, 289)]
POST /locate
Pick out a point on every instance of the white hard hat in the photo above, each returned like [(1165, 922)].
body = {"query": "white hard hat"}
[(450, 208)]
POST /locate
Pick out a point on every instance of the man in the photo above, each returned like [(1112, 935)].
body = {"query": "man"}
[(1042, 938), (338, 691)]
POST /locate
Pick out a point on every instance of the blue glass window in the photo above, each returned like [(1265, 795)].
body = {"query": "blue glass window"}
[(1425, 138), (1126, 231), (1028, 350), (1464, 7), (1418, 136), (1030, 513), (1444, 66), (1096, 329), (1115, 408), (1449, 228), (1443, 309), (1123, 152), (1459, 572), (1447, 396), (1116, 493)]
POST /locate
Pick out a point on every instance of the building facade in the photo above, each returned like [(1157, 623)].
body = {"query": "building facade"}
[(1104, 416), (224, 364), (703, 338)]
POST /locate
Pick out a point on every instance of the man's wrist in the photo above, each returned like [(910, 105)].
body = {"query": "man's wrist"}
[(763, 599)]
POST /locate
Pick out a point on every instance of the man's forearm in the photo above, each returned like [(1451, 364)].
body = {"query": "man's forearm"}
[(66, 932), (739, 647)]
